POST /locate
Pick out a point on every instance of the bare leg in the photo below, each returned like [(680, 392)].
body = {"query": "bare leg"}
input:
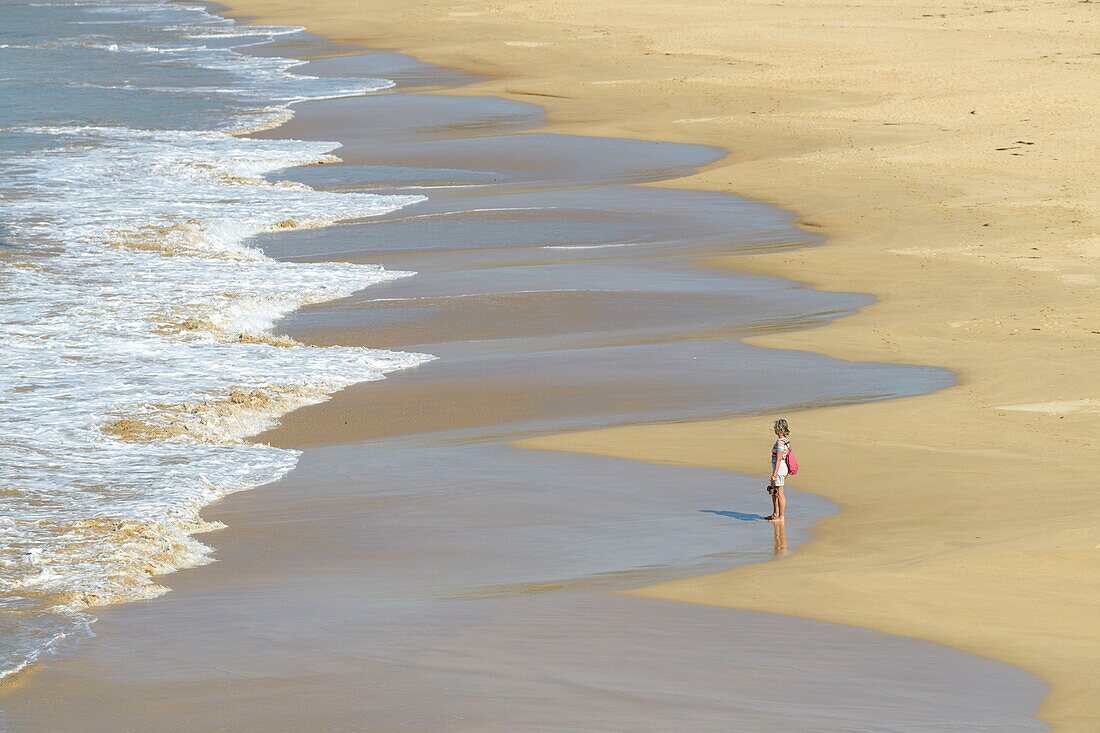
[(775, 503), (780, 504)]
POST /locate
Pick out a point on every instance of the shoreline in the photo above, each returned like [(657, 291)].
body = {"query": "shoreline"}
[(313, 540), (942, 214)]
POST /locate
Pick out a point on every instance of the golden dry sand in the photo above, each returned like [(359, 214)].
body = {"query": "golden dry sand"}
[(949, 153)]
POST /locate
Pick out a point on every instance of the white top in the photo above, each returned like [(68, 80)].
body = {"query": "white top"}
[(781, 446)]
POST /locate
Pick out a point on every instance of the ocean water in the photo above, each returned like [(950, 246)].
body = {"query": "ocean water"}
[(135, 357)]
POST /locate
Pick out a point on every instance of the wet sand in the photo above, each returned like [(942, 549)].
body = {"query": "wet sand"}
[(543, 279), (433, 588), (948, 153), (417, 572)]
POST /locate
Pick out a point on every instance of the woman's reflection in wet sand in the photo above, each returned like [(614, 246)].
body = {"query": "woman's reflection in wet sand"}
[(780, 538)]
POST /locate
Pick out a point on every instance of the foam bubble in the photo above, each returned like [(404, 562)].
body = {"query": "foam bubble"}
[(136, 322)]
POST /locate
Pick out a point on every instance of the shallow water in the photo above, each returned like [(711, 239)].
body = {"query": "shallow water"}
[(557, 292), (427, 575), (132, 313), (412, 585)]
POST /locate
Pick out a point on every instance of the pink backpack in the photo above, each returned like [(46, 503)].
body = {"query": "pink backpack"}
[(792, 462)]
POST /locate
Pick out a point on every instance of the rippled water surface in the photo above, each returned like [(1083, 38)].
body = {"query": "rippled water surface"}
[(133, 315)]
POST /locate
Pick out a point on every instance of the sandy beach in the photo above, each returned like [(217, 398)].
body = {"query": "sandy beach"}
[(947, 155), (491, 541), (418, 571)]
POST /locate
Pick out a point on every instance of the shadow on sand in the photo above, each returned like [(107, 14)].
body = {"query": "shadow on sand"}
[(735, 515)]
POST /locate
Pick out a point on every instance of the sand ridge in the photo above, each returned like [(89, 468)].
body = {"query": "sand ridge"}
[(948, 153)]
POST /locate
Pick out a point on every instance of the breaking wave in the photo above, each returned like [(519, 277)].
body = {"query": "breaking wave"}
[(135, 317)]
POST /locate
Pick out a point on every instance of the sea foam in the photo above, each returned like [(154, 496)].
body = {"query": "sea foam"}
[(135, 319)]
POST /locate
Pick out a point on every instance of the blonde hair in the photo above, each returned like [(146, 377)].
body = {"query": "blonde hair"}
[(782, 427)]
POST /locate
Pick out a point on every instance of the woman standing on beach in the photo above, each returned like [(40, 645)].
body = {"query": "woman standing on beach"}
[(779, 470)]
